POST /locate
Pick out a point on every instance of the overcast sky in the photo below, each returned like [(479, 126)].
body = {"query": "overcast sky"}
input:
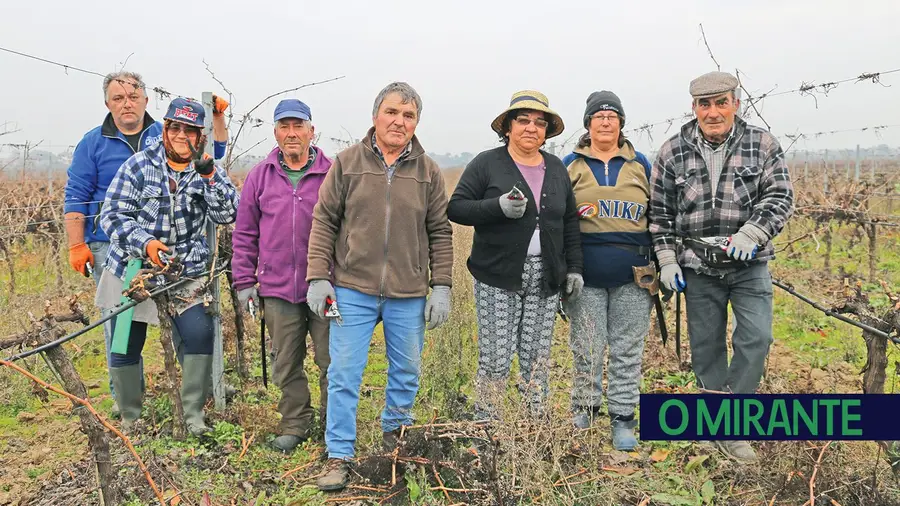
[(464, 57)]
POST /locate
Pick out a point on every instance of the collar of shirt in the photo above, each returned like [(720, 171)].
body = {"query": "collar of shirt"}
[(701, 140), (309, 161), (406, 151)]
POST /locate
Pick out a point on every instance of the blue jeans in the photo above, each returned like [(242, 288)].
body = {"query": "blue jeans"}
[(100, 250), (404, 334)]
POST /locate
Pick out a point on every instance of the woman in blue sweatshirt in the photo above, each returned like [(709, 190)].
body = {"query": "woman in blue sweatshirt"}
[(611, 184)]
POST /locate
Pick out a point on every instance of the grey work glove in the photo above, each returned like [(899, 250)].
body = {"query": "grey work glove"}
[(574, 285), (672, 278), (512, 208), (437, 309), (319, 290), (245, 295), (741, 247)]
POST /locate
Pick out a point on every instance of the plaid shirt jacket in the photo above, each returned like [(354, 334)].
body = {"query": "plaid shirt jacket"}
[(139, 208), (754, 190)]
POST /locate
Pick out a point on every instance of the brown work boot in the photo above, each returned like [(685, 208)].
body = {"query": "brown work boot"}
[(390, 440), (336, 477), (740, 451)]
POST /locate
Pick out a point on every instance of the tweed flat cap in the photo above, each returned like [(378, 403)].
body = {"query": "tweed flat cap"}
[(712, 84)]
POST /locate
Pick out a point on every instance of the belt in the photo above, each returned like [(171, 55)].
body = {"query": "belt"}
[(640, 250)]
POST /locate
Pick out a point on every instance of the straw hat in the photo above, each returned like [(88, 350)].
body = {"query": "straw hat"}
[(531, 99)]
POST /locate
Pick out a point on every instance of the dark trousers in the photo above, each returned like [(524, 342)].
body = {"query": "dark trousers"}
[(749, 291), (288, 325), (194, 326)]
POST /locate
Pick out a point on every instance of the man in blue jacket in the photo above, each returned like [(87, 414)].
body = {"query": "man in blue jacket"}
[(127, 129)]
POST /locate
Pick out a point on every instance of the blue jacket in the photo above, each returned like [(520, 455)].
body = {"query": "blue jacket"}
[(96, 160)]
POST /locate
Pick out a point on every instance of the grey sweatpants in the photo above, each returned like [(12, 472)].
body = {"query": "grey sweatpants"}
[(706, 298), (621, 317), (514, 322)]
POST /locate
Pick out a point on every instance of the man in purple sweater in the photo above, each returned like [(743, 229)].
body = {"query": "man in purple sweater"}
[(270, 241)]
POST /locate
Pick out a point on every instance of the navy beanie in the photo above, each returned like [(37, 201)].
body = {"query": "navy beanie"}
[(602, 101)]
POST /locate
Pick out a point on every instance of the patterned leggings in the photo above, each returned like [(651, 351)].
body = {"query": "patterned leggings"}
[(512, 322)]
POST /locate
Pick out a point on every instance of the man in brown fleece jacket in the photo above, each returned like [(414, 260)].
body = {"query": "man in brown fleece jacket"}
[(378, 228)]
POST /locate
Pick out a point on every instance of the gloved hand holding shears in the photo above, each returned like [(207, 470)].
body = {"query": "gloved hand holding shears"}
[(741, 247)]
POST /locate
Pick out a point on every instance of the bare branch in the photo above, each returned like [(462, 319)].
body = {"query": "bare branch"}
[(261, 102), (750, 99), (226, 90), (703, 33), (231, 162), (126, 61)]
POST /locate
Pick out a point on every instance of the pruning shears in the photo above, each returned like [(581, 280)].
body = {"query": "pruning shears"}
[(166, 258), (251, 308), (516, 193), (88, 270), (561, 310), (331, 311)]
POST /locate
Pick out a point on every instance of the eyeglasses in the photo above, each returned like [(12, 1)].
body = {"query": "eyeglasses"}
[(177, 128), (524, 121), (606, 117)]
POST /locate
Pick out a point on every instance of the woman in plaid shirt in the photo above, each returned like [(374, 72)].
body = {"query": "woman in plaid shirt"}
[(159, 202)]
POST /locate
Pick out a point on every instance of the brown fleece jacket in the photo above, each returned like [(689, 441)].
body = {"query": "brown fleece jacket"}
[(382, 236)]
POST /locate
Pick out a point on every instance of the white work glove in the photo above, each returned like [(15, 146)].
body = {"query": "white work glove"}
[(245, 295), (741, 247), (574, 284), (437, 309), (512, 208), (319, 290), (672, 278)]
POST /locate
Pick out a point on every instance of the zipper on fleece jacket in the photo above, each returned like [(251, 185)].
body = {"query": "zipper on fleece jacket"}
[(96, 220), (387, 229)]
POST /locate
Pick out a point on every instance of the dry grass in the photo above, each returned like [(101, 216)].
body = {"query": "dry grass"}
[(546, 463)]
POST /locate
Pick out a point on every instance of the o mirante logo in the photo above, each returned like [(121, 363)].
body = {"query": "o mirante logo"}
[(698, 417)]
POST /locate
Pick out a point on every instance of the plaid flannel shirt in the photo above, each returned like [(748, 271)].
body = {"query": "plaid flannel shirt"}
[(755, 190), (390, 168), (139, 208)]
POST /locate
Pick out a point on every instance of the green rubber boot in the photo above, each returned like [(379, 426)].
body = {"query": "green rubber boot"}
[(194, 389), (129, 394)]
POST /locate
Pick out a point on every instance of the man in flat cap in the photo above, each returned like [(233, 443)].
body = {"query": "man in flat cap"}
[(720, 193)]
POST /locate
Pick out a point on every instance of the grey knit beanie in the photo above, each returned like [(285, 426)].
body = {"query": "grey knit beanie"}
[(602, 101)]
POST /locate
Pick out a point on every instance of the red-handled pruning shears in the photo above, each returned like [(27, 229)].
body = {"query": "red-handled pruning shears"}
[(516, 193), (331, 311)]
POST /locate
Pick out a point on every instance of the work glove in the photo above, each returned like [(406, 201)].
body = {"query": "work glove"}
[(741, 247), (245, 295), (672, 278), (219, 105), (79, 256), (512, 207), (319, 290), (203, 163), (437, 309), (153, 249), (574, 285)]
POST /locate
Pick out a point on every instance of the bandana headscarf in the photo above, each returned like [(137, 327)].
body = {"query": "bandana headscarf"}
[(176, 161)]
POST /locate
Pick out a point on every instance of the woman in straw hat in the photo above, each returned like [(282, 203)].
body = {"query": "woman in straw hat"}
[(526, 250), (611, 184)]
